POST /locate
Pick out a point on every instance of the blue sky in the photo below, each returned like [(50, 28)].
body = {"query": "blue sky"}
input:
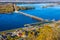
[(29, 0)]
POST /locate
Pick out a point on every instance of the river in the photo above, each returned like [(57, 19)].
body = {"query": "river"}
[(15, 20)]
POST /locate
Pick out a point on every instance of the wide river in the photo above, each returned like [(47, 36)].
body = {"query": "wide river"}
[(15, 20)]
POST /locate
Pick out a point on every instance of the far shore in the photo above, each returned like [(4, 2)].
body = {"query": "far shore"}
[(9, 7)]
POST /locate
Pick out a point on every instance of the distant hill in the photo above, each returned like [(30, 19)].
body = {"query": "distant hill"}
[(29, 0)]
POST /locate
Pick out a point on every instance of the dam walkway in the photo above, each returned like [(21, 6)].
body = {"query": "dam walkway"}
[(31, 16)]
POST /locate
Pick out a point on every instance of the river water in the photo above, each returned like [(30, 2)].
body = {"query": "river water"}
[(15, 20)]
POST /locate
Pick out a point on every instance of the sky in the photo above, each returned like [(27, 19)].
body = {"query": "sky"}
[(30, 0)]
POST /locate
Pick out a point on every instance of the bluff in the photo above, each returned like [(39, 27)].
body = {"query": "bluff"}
[(8, 8)]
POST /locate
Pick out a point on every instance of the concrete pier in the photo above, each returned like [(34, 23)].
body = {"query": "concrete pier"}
[(31, 16)]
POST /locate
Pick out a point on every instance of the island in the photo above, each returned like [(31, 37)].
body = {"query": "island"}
[(49, 5)]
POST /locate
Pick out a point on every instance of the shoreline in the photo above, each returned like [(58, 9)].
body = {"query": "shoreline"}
[(9, 7), (26, 25)]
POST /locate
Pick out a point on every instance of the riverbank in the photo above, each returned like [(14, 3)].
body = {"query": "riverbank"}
[(33, 32), (26, 25), (8, 8)]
